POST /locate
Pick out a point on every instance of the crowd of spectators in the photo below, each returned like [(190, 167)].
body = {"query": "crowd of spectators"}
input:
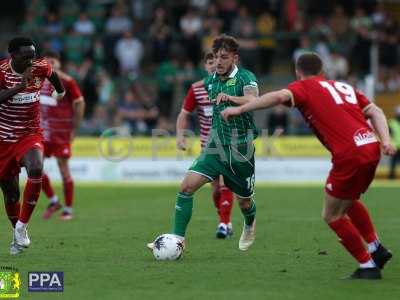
[(135, 59)]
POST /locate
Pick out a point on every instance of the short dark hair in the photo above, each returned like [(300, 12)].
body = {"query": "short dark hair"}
[(208, 55), (52, 54), (18, 42), (309, 64), (226, 42)]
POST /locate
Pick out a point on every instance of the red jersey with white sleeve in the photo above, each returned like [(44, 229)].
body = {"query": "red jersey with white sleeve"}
[(20, 114), (335, 112), (57, 115), (197, 99)]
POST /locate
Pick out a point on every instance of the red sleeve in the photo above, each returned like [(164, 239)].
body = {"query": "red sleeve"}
[(74, 90), (298, 92), (189, 103), (363, 101)]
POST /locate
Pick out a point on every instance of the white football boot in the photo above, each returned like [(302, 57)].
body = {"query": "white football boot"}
[(14, 248), (248, 236), (21, 237)]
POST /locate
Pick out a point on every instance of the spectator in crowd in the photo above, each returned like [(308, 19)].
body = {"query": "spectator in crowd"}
[(166, 79), (160, 36), (266, 25), (278, 121), (133, 114), (105, 87), (190, 25), (248, 40), (98, 123), (53, 25), (129, 52), (305, 46), (118, 22), (84, 25)]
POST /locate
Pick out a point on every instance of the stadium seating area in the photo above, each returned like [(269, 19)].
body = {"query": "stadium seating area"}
[(128, 56)]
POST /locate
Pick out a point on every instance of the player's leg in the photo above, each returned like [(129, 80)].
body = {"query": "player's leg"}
[(239, 177), (359, 215), (68, 187), (334, 214), (184, 201), (224, 229), (32, 160), (216, 195), (10, 189), (54, 204), (248, 208)]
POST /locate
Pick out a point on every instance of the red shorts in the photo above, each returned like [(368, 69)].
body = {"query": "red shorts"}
[(348, 179), (12, 153), (57, 150)]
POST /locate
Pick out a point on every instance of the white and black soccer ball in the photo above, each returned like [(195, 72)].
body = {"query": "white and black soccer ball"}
[(167, 247)]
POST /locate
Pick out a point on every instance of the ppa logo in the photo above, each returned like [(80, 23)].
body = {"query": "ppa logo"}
[(46, 281)]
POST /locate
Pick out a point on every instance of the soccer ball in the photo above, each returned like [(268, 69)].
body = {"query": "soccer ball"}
[(167, 247)]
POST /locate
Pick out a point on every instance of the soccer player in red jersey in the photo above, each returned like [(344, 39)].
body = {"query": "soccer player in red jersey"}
[(21, 78), (338, 115), (197, 99), (59, 120)]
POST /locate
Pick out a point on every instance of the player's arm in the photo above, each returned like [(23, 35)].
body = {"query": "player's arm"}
[(379, 122), (59, 92), (254, 103), (78, 110), (8, 93), (250, 92), (188, 106), (181, 125)]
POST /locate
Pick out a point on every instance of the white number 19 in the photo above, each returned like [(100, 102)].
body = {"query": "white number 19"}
[(345, 89)]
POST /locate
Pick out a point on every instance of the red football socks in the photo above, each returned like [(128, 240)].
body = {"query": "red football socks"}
[(359, 216), (68, 191), (31, 196), (46, 186), (351, 239), (225, 205), (12, 209), (216, 197)]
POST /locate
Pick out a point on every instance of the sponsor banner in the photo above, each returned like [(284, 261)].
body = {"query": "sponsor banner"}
[(161, 146), (171, 170)]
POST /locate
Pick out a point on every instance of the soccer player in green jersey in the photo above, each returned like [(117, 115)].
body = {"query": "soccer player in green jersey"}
[(230, 150)]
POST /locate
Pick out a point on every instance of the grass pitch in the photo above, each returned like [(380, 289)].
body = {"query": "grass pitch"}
[(103, 256)]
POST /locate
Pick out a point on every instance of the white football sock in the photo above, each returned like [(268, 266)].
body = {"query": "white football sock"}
[(20, 224), (372, 247), (68, 209), (368, 264), (54, 199)]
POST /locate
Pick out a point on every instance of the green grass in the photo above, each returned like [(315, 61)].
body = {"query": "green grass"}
[(103, 256)]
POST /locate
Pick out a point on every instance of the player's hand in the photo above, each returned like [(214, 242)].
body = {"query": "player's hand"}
[(389, 149), (230, 112), (222, 97), (27, 77), (181, 143)]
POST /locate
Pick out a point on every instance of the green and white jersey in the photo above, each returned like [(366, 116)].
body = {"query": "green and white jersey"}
[(239, 129)]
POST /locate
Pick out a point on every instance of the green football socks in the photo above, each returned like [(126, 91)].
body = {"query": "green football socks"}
[(183, 212), (249, 213)]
